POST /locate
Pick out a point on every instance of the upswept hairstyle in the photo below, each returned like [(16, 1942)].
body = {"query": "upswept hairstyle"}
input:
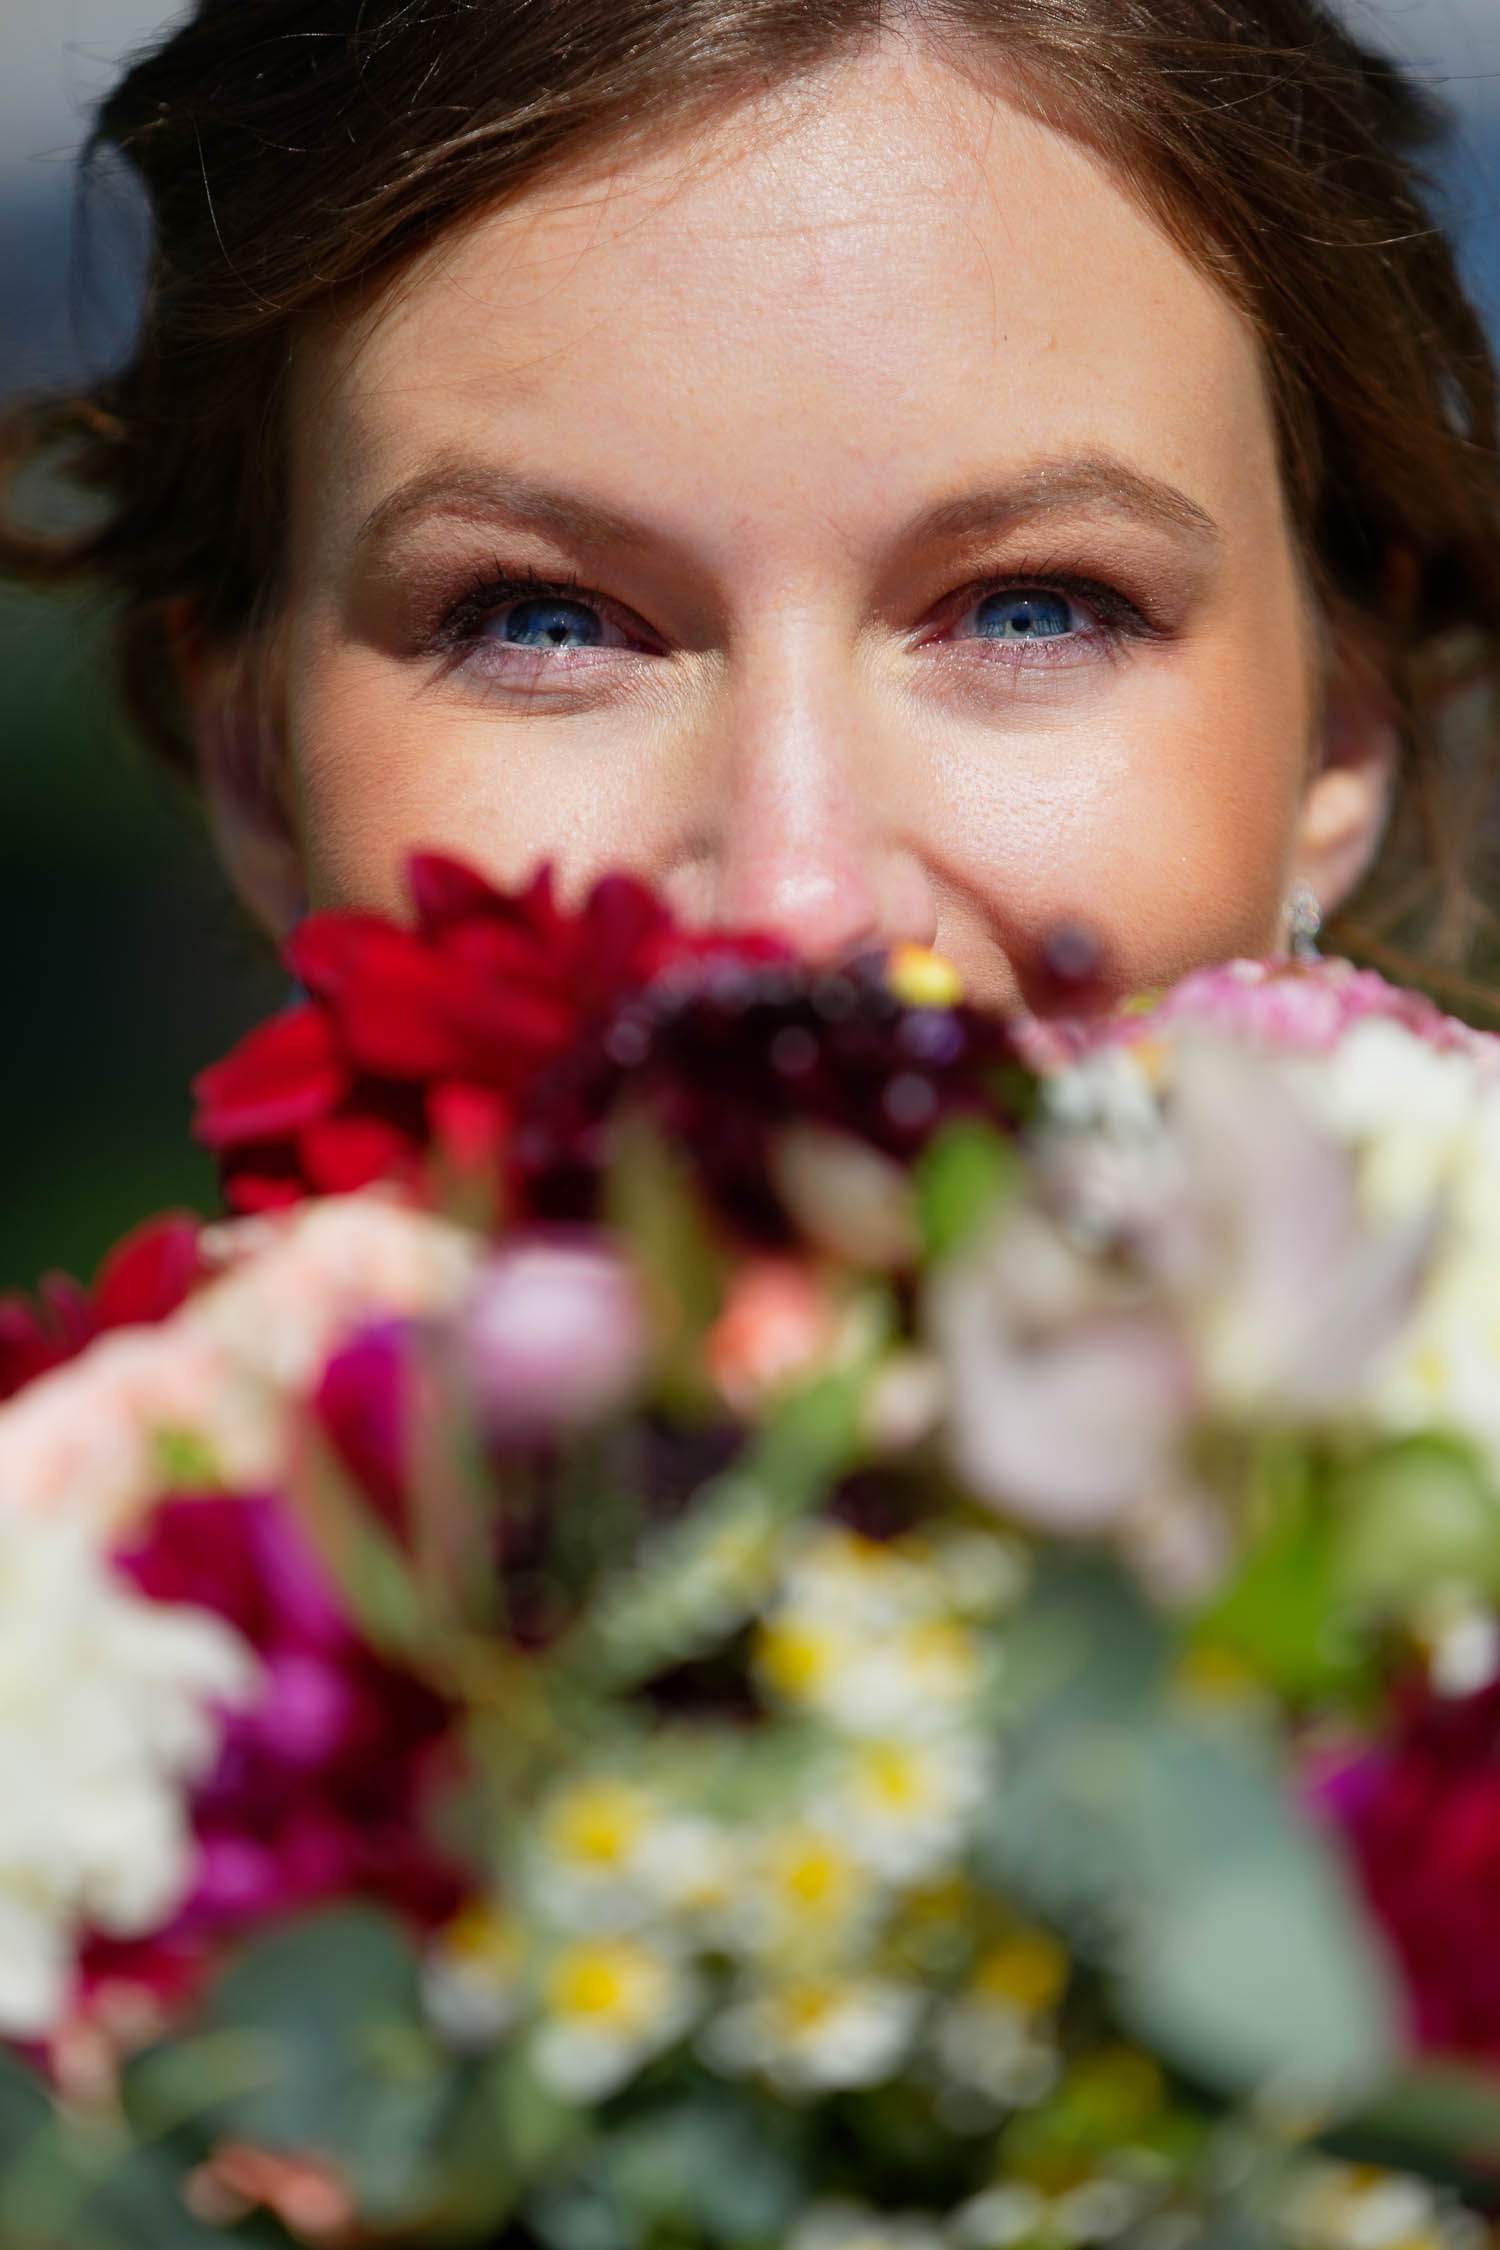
[(292, 151)]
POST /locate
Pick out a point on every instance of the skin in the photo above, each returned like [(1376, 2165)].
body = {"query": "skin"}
[(768, 352)]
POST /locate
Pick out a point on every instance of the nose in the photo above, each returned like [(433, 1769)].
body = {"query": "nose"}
[(803, 834)]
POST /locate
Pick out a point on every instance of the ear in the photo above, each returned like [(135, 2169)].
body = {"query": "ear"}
[(1348, 795), (234, 711)]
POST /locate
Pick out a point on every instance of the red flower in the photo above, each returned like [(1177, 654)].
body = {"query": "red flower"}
[(421, 1040), (1421, 1815), (144, 1279)]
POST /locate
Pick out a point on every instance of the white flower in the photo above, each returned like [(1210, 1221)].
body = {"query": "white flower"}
[(868, 1635), (109, 1710), (1346, 2207), (586, 1861), (1408, 1107), (904, 1802), (802, 1894), (607, 2005), (817, 2034), (471, 1979), (1219, 1267), (1005, 2217), (997, 2037), (848, 2226), (686, 1866)]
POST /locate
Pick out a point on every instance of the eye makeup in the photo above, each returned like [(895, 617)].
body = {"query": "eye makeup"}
[(462, 642)]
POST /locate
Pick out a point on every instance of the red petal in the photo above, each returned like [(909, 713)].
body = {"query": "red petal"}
[(148, 1275), (341, 1154), (326, 950), (26, 1349), (620, 921), (395, 1006), (445, 891), (68, 1313), (280, 1078), (250, 1194), (470, 1123)]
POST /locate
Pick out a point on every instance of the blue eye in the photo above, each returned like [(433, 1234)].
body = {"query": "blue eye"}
[(547, 623), (1023, 614)]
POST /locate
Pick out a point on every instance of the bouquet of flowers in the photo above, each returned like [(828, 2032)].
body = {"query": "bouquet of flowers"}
[(739, 1607)]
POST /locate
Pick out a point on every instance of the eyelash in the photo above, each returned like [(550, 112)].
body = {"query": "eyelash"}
[(459, 634)]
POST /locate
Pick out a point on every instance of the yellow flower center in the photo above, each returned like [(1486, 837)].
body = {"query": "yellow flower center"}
[(923, 979), (794, 1659), (597, 1826), (604, 1982)]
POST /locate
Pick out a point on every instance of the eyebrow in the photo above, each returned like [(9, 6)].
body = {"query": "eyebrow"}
[(1075, 483)]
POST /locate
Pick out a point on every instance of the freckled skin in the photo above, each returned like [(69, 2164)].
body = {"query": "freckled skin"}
[(774, 346)]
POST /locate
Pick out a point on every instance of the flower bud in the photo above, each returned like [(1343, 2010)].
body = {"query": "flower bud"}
[(554, 1337)]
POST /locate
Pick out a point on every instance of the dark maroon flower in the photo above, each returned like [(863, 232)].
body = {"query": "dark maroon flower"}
[(725, 1058), (144, 1279), (324, 1787), (1421, 1815)]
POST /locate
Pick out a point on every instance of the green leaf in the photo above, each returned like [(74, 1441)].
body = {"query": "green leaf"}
[(313, 2042), (701, 1578), (1256, 1972), (713, 2168), (92, 2187), (365, 1561), (652, 1200), (1438, 2119), (507, 2132), (1165, 1846), (1284, 1615), (1412, 1516), (963, 1176)]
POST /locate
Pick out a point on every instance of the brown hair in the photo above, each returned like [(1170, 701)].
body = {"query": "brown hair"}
[(292, 150)]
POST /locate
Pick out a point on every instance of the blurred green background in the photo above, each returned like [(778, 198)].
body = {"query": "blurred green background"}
[(126, 964)]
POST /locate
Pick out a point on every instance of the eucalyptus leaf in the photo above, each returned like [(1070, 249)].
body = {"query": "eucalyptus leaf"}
[(1164, 1844), (1439, 2119), (707, 2169), (313, 2042)]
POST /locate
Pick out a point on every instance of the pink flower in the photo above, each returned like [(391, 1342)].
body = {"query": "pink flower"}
[(555, 1337), (1302, 1007)]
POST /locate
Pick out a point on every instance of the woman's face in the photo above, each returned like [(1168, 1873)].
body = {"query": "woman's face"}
[(862, 521)]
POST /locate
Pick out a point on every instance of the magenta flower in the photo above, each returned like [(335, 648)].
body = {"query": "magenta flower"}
[(322, 1789), (1421, 1817)]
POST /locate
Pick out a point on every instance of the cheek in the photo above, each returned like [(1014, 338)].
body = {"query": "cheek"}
[(1161, 812), (382, 771)]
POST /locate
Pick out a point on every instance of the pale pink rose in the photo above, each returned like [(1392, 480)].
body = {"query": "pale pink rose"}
[(224, 1370), (305, 1280), (87, 1436)]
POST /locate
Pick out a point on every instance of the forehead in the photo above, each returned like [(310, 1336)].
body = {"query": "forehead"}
[(814, 310)]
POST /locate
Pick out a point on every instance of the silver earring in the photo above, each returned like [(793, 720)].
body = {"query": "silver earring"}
[(1304, 917)]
